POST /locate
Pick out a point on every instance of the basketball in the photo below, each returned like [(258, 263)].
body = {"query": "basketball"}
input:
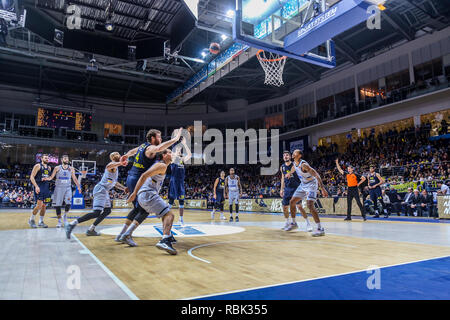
[(214, 48)]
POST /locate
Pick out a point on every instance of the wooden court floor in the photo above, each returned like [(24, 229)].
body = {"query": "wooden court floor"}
[(259, 256)]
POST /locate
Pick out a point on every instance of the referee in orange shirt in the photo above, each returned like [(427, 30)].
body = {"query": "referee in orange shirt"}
[(352, 190)]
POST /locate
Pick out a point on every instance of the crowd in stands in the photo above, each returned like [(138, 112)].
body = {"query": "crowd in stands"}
[(401, 156)]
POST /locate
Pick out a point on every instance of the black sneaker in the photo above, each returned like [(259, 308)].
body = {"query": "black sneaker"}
[(172, 239), (348, 219), (69, 227), (364, 218), (231, 219), (164, 244), (236, 219)]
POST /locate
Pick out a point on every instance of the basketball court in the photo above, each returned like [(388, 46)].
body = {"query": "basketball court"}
[(248, 54)]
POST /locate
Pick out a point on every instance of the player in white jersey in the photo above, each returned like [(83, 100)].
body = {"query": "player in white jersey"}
[(64, 173), (147, 193), (309, 183), (102, 201), (233, 191)]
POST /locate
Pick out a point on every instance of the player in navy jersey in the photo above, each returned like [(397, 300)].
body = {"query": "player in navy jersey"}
[(176, 184), (219, 195), (144, 158), (38, 176), (374, 182), (289, 183)]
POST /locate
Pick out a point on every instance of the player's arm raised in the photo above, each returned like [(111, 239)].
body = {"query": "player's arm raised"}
[(130, 153), (112, 165), (163, 146), (188, 155), (33, 174), (159, 168), (314, 173), (52, 176), (74, 178), (282, 183)]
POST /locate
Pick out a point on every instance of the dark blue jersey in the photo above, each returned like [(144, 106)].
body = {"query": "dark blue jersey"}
[(177, 170), (373, 180), (220, 186), (44, 172), (293, 181), (141, 162)]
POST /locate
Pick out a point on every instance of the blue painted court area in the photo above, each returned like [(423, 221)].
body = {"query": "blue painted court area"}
[(425, 280)]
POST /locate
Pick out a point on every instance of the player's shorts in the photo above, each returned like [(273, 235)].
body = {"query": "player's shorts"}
[(61, 195), (306, 191), (176, 189), (131, 184), (375, 194), (44, 193), (288, 193), (233, 197), (219, 197), (152, 202), (101, 198)]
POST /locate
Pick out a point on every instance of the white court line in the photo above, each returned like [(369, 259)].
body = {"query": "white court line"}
[(234, 241), (299, 281), (121, 285)]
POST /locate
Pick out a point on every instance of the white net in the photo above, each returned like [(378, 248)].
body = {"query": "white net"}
[(273, 66)]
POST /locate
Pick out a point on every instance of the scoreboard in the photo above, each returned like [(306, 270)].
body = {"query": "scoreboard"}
[(53, 118)]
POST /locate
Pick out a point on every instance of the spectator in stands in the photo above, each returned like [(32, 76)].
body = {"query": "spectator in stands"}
[(387, 203), (394, 199), (414, 204), (427, 204), (405, 203), (443, 188), (368, 205)]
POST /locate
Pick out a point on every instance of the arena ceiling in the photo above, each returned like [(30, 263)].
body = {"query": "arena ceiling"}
[(32, 61)]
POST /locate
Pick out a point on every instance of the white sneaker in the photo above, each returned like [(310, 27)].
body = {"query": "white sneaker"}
[(59, 225), (286, 225), (212, 216), (319, 233), (309, 228), (292, 226), (223, 217)]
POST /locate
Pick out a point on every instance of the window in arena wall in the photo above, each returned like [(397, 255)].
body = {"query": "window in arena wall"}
[(112, 129), (397, 80), (437, 120), (274, 121), (256, 123), (428, 70), (368, 90)]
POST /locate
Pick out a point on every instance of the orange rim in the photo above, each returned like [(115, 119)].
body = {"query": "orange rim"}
[(268, 60)]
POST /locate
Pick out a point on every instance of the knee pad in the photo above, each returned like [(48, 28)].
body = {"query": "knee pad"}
[(141, 216), (181, 202), (67, 208), (133, 213), (106, 211)]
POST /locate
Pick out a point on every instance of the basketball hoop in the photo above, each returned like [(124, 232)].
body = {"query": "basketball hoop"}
[(273, 66)]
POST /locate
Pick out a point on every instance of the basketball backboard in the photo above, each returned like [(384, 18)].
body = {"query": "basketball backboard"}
[(299, 29)]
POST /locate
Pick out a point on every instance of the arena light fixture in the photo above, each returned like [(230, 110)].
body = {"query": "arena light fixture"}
[(230, 13), (223, 37), (109, 26)]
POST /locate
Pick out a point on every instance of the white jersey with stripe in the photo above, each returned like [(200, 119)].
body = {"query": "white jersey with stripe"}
[(305, 177), (153, 183), (109, 179), (63, 177), (233, 184)]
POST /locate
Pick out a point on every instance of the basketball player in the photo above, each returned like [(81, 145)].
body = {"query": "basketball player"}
[(219, 196), (143, 160), (374, 182), (307, 189), (41, 190), (233, 191), (102, 201), (176, 185), (63, 187), (147, 193), (289, 183)]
